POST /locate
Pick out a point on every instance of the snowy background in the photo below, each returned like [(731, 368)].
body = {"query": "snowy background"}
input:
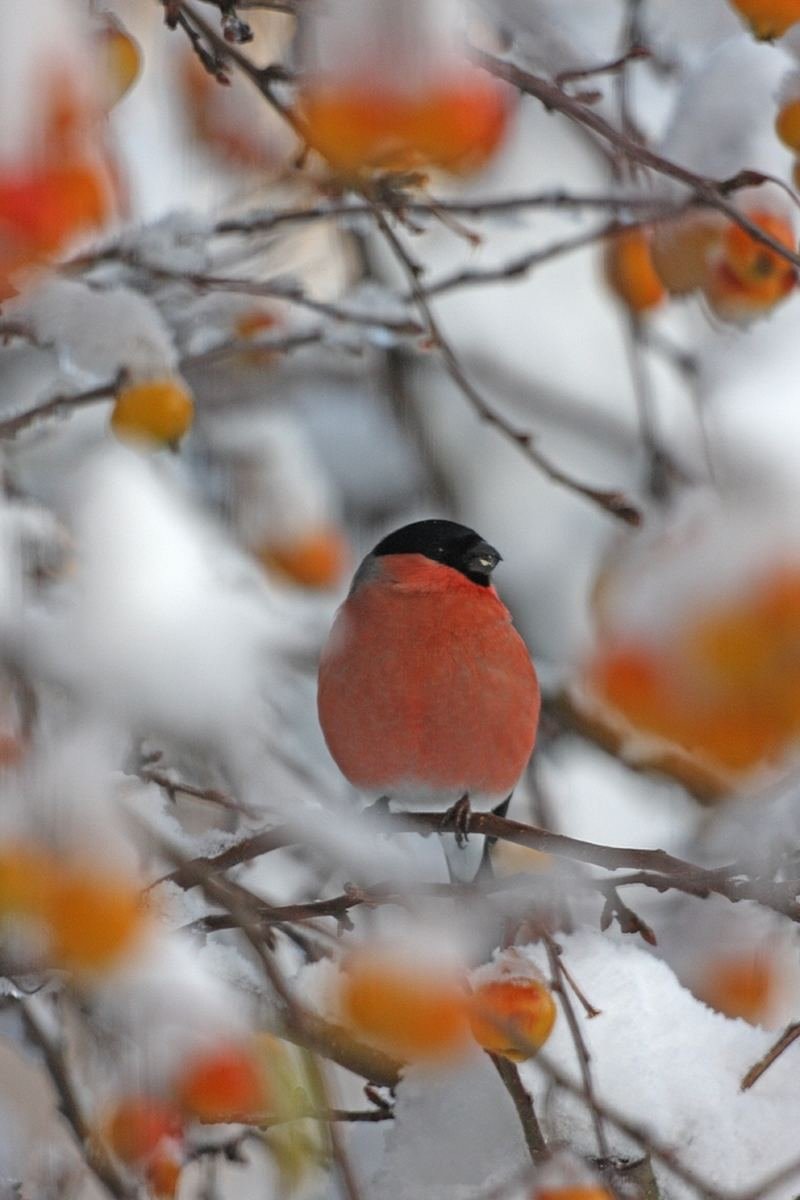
[(162, 609)]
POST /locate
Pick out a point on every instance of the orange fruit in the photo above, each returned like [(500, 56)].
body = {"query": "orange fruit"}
[(740, 986), (158, 411), (414, 1011), (12, 749), (586, 1191), (26, 878), (750, 278), (95, 920), (680, 250), (118, 62), (503, 1008), (630, 272), (164, 1173), (461, 124), (254, 321), (633, 679), (768, 18), (41, 209), (787, 124), (749, 260), (778, 599), (223, 1085), (317, 560), (455, 125), (137, 1126), (731, 645)]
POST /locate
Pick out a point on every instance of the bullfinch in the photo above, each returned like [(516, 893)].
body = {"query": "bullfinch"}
[(427, 694)]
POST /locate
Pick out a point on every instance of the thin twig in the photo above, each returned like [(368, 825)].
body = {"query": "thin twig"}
[(518, 267), (612, 502), (714, 192), (290, 293), (649, 206), (609, 68), (558, 983), (54, 1056), (11, 426), (523, 1103), (790, 1034)]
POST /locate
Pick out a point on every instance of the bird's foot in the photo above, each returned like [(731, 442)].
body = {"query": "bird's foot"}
[(458, 815)]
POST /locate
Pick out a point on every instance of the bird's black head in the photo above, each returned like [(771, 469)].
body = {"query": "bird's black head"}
[(445, 542)]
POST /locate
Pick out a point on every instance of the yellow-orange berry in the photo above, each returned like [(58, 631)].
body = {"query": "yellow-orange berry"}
[(163, 1173), (455, 125), (415, 1012), (138, 1124), (223, 1085), (94, 919), (26, 878), (739, 986), (573, 1192), (681, 251), (749, 277), (512, 1017), (317, 560), (787, 124), (768, 19), (42, 208), (159, 411), (752, 261), (630, 272), (118, 60), (255, 321)]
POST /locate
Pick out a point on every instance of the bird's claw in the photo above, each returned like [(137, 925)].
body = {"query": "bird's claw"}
[(459, 816)]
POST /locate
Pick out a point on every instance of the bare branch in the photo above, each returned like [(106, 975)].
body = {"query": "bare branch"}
[(560, 985), (612, 502), (54, 1056), (713, 192), (523, 1102), (11, 426), (790, 1034), (610, 68)]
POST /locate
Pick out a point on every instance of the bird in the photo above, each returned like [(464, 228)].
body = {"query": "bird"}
[(427, 695)]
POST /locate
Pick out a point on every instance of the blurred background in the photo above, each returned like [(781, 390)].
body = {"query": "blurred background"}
[(254, 319)]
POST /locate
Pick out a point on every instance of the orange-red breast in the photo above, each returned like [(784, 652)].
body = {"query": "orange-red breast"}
[(427, 693)]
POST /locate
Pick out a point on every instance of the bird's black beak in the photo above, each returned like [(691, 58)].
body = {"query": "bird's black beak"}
[(483, 559)]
